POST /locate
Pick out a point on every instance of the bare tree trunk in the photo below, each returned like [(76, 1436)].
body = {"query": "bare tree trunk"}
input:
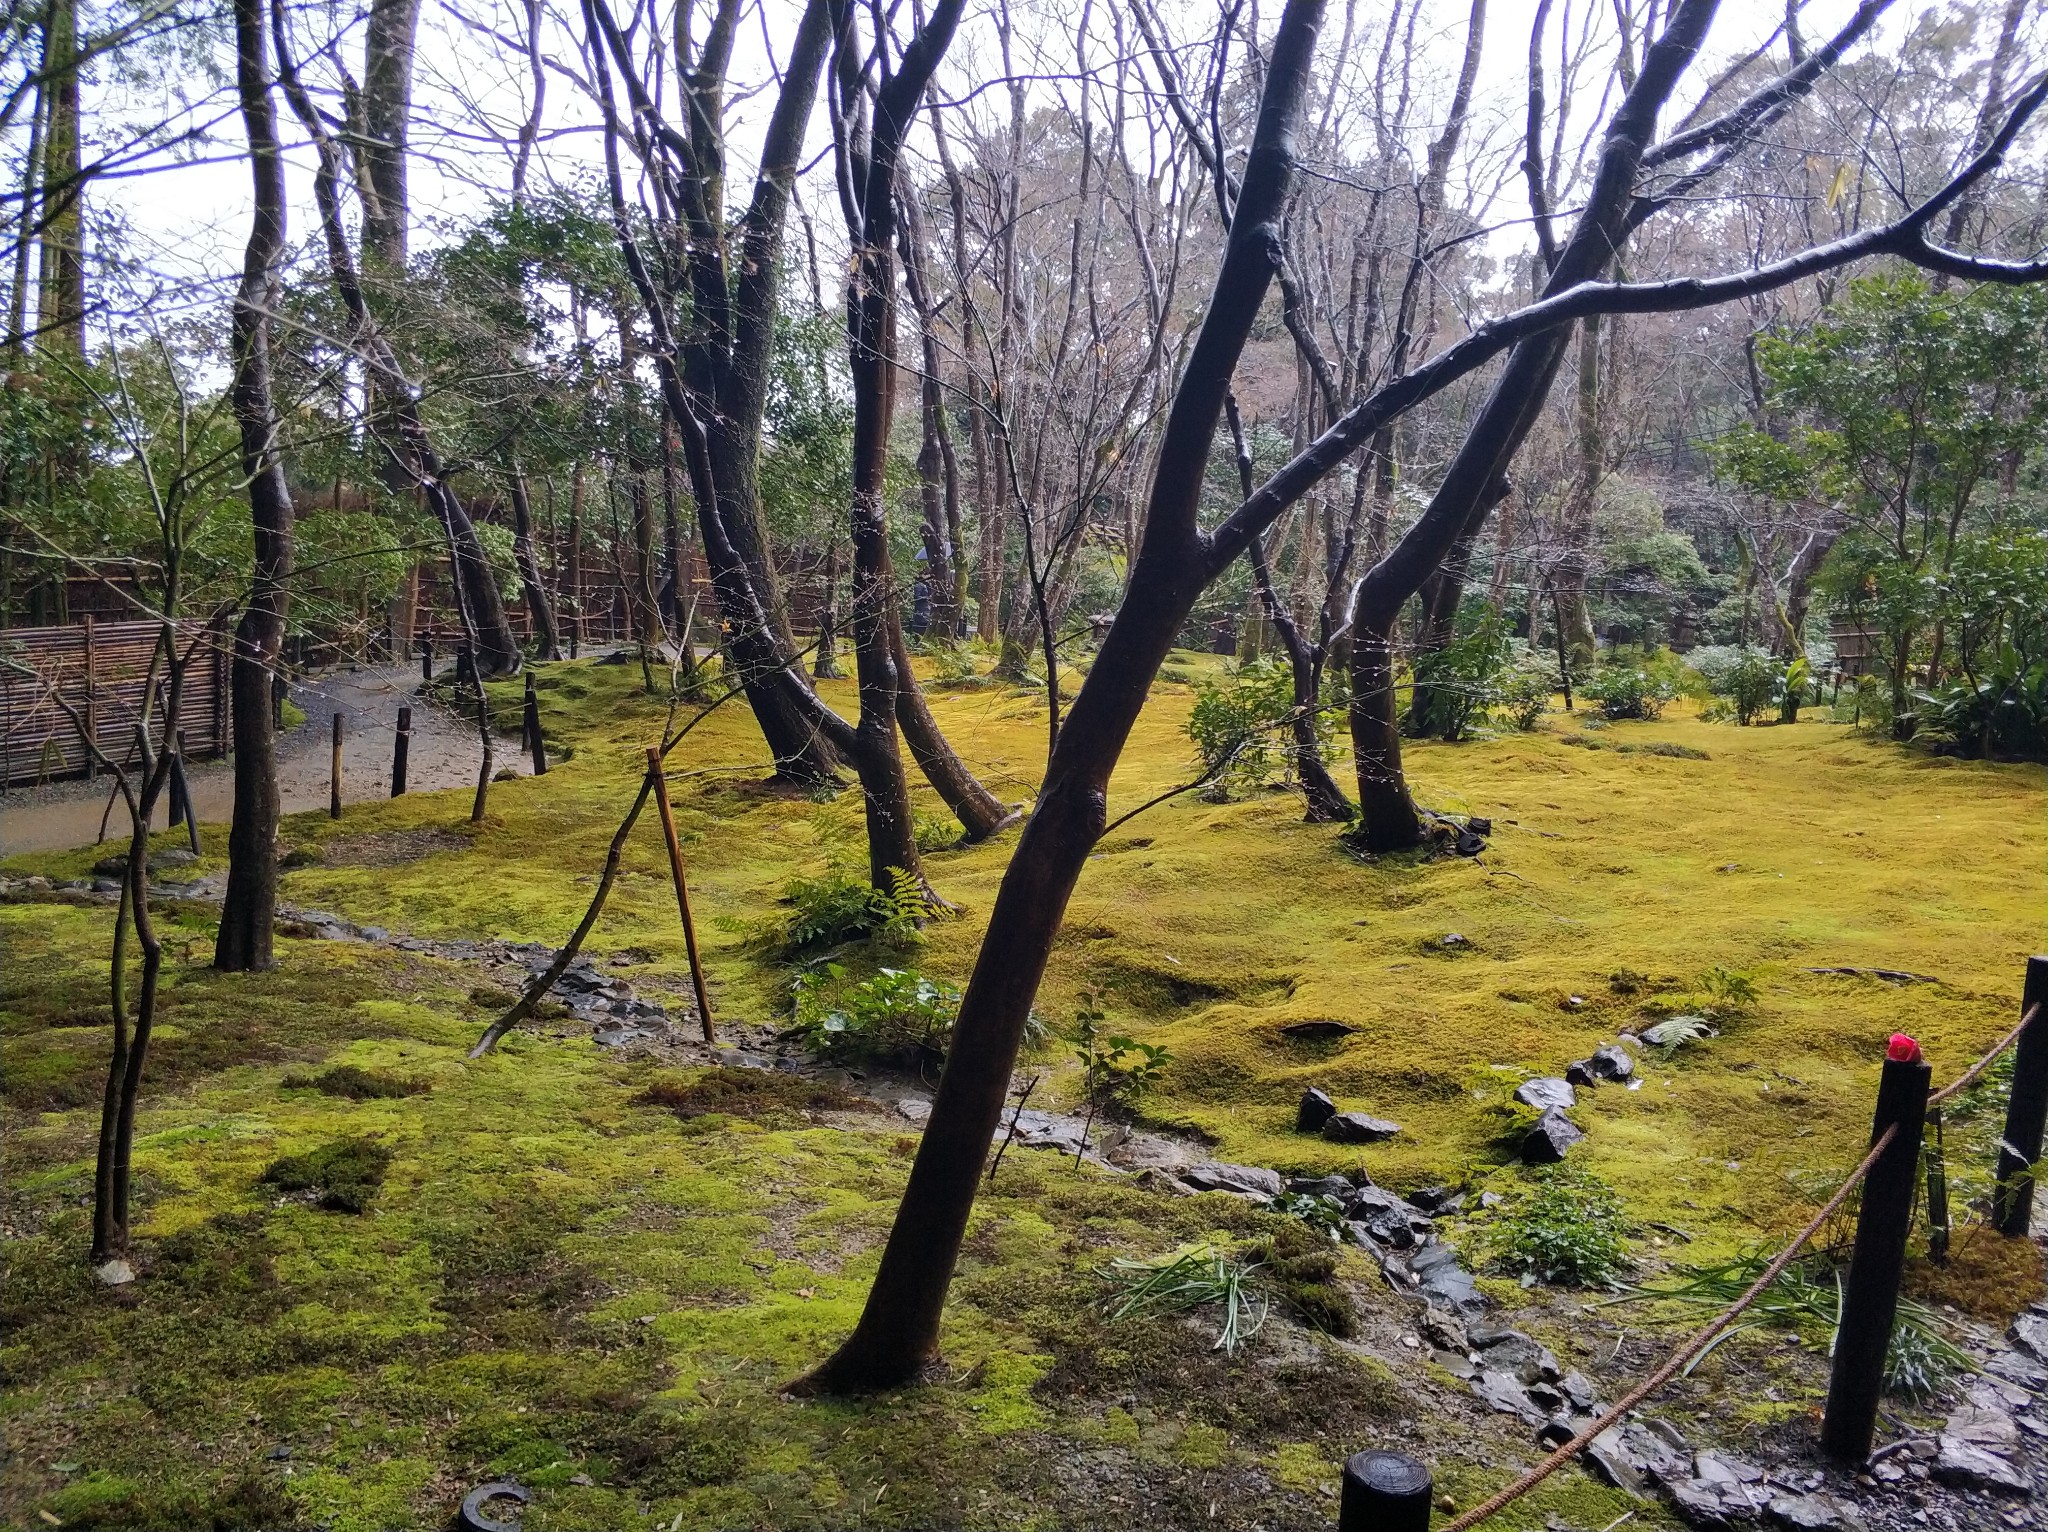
[(250, 905), (60, 308), (547, 642), (899, 1328)]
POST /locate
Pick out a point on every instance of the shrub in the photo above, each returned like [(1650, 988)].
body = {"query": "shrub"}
[(345, 1174), (1567, 1227), (1116, 1071), (1462, 682), (1749, 680), (1242, 718), (1631, 684), (937, 832), (899, 1014), (1526, 686)]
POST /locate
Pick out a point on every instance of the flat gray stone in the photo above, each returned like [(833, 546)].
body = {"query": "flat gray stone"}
[(1314, 1109), (1631, 1456), (1611, 1061), (1970, 1467), (1505, 1392), (2029, 1332), (1813, 1513), (1245, 1180), (1545, 1092), (1358, 1128)]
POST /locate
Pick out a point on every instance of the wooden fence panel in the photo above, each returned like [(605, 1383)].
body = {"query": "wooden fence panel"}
[(101, 670)]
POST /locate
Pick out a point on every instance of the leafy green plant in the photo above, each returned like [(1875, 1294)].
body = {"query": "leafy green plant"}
[(1806, 1300), (1461, 683), (1116, 1071), (1240, 722), (937, 832), (1566, 1227), (1176, 1284), (834, 909), (1524, 692), (898, 1014), (1323, 1214), (1674, 1032), (1631, 685)]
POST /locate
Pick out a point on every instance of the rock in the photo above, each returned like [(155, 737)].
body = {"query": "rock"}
[(1714, 1504), (1358, 1128), (1611, 1061), (1048, 1130), (114, 1273), (1547, 1093), (1479, 825), (1434, 1201), (1317, 1031), (1504, 1391), (2015, 1368), (114, 866), (1340, 1187), (1454, 1364), (1633, 1457), (1579, 1075), (1445, 1331), (1391, 1221), (1582, 1391), (1991, 1429), (1964, 1466), (173, 856), (1244, 1180), (1515, 1352), (1442, 1282), (1555, 1432), (1719, 1468), (1547, 1142), (1813, 1513), (1454, 940), (918, 1109), (2029, 1332), (1315, 1109)]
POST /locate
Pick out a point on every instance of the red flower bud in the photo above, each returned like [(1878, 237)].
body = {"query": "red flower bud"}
[(1903, 1050)]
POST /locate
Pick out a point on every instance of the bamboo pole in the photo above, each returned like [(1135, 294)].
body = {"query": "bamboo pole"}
[(675, 867)]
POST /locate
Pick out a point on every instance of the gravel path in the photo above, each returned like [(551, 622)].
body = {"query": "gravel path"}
[(444, 753)]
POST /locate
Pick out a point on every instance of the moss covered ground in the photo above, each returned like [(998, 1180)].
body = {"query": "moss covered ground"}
[(563, 1273)]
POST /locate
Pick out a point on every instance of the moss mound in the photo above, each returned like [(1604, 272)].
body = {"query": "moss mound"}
[(754, 1094), (343, 1175), (352, 1083)]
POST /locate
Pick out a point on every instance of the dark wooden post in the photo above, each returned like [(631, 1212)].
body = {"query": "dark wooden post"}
[(1870, 1299), (531, 719), (334, 788), (2026, 1110), (279, 690), (427, 655), (675, 867), (400, 743), (1384, 1492), (181, 797), (177, 782)]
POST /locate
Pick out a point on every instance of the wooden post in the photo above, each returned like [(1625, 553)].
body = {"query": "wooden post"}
[(400, 743), (1384, 1492), (334, 789), (1938, 1228), (534, 742), (2026, 1110), (427, 655), (675, 867), (1870, 1298), (92, 728), (220, 698), (177, 816)]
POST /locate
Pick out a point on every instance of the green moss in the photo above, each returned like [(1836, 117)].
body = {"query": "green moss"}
[(343, 1175), (355, 1084)]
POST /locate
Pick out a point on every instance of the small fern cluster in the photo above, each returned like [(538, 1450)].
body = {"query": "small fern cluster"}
[(835, 909)]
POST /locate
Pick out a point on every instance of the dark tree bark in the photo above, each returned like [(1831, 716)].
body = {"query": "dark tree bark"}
[(250, 905), (381, 150), (480, 607), (937, 466), (899, 1328), (60, 306), (547, 642)]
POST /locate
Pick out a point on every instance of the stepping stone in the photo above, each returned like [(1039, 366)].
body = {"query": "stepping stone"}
[(1358, 1128), (1547, 1142)]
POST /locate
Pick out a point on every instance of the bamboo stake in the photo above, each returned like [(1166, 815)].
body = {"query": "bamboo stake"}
[(675, 867)]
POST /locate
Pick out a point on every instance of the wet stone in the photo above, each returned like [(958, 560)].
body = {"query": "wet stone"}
[(1580, 1076), (1215, 1176), (1340, 1187), (1634, 1457), (1813, 1513), (1611, 1061), (1965, 1466)]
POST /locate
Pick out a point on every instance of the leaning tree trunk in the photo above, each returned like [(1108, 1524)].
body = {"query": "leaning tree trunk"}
[(898, 1331), (250, 905)]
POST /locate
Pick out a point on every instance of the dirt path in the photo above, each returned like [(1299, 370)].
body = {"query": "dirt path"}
[(444, 753)]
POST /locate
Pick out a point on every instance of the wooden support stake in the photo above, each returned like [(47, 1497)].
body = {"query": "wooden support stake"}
[(92, 728), (334, 788), (427, 655), (401, 742), (1870, 1298), (531, 718), (1384, 1492), (675, 867), (2026, 1110), (181, 797)]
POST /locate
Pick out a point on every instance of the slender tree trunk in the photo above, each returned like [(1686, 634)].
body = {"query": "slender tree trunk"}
[(60, 308), (898, 1331), (825, 658), (547, 642), (250, 905)]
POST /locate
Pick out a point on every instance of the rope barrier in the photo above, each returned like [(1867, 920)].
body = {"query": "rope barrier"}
[(1705, 1337), (1969, 1076)]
